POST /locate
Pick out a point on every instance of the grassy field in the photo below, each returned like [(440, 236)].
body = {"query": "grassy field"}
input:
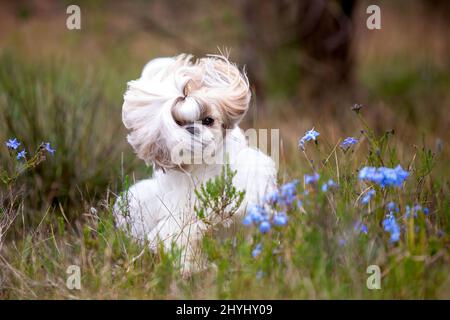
[(66, 88)]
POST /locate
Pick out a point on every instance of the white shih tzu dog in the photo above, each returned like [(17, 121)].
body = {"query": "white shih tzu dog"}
[(183, 116)]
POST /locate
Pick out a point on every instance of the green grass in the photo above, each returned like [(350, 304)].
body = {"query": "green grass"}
[(55, 101)]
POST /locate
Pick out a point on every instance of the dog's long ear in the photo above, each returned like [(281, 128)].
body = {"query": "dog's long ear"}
[(146, 110), (226, 86)]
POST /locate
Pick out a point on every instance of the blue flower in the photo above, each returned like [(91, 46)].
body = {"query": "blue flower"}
[(257, 250), (394, 177), (401, 174), (254, 213), (361, 227), (273, 198), (12, 144), (280, 219), (390, 225), (342, 242), (309, 135), (247, 220), (264, 227), (21, 155), (310, 179), (348, 142), (371, 174), (395, 236), (367, 197), (327, 185), (426, 210), (49, 148), (289, 191), (384, 176), (407, 212), (257, 213), (392, 206)]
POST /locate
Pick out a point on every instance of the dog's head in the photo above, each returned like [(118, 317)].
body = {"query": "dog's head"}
[(181, 107)]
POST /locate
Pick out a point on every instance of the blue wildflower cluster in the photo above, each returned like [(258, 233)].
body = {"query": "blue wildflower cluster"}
[(389, 222), (258, 215), (384, 176), (392, 207), (273, 211), (311, 178), (13, 145), (277, 204), (390, 225), (309, 135), (285, 196), (21, 161), (415, 210), (327, 185)]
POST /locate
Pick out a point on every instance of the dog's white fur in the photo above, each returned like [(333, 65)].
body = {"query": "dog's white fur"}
[(171, 96)]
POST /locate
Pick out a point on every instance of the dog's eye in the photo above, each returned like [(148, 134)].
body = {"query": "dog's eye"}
[(208, 121)]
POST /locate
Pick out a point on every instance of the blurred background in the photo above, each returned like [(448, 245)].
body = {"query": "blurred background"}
[(309, 62)]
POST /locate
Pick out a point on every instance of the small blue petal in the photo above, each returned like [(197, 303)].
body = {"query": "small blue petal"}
[(348, 142), (309, 135), (367, 197), (12, 144), (257, 250), (49, 148), (392, 206), (247, 220), (364, 228), (264, 227), (310, 179), (360, 227), (390, 225), (280, 219), (21, 155)]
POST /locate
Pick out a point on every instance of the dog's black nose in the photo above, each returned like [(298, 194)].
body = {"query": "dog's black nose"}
[(192, 130)]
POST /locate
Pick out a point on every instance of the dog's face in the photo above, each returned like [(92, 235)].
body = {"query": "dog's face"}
[(205, 127), (180, 111)]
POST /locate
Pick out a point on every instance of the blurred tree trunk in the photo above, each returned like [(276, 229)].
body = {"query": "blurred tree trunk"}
[(320, 31), (324, 33)]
